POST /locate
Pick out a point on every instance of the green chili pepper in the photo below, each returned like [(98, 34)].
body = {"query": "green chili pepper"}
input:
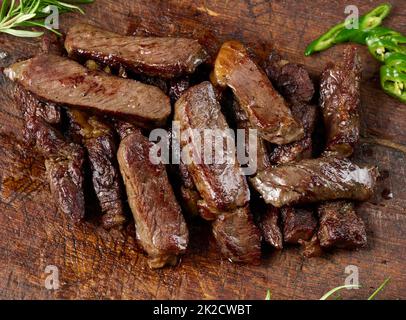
[(395, 59), (393, 81), (374, 18), (382, 47), (340, 33), (360, 36)]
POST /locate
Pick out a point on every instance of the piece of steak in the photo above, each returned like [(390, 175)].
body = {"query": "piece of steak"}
[(269, 225), (267, 111), (340, 226), (302, 149), (339, 101), (98, 139), (62, 81), (237, 236), (153, 56), (268, 220), (314, 180), (298, 224), (291, 79), (63, 160), (221, 184), (160, 226)]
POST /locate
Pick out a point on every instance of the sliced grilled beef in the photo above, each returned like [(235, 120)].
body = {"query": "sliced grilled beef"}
[(302, 149), (63, 160), (339, 101), (63, 81), (313, 180), (98, 139), (291, 79), (340, 226), (298, 224), (267, 111), (241, 119), (160, 227), (237, 236), (268, 220), (222, 186), (163, 57), (269, 226)]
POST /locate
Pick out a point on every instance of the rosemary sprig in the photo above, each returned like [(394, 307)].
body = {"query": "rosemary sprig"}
[(15, 15), (332, 291), (372, 297), (338, 297)]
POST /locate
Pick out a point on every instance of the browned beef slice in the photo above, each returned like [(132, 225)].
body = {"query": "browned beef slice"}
[(314, 180), (339, 101), (62, 81), (64, 160), (237, 236), (164, 57), (298, 224), (98, 139), (160, 227), (269, 226), (340, 226), (267, 111), (291, 79), (302, 149)]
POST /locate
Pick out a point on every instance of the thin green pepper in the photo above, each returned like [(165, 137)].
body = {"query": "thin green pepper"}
[(360, 36), (395, 59), (393, 81), (368, 21), (382, 47)]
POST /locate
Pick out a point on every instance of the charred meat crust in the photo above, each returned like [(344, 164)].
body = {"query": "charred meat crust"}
[(269, 225), (98, 139), (242, 122), (222, 186), (313, 180), (153, 56), (339, 101), (340, 226), (160, 227), (237, 236), (63, 160), (302, 149), (291, 79), (62, 81), (267, 111), (298, 224)]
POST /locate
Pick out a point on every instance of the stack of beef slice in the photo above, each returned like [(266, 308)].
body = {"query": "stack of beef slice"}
[(91, 106)]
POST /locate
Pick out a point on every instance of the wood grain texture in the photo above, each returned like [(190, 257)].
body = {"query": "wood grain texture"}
[(97, 264)]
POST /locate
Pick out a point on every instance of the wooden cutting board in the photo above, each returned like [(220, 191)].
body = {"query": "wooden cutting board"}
[(96, 264)]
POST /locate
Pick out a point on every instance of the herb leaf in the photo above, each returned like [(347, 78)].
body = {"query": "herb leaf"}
[(332, 291), (372, 297), (30, 13)]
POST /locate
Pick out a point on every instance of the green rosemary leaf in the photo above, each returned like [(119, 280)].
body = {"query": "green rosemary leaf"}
[(23, 33), (30, 13), (332, 291), (380, 288), (4, 8), (268, 295)]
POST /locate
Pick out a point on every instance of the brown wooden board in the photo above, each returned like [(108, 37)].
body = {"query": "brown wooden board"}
[(97, 264)]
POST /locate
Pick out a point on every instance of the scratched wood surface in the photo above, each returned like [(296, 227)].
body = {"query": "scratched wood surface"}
[(97, 264)]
